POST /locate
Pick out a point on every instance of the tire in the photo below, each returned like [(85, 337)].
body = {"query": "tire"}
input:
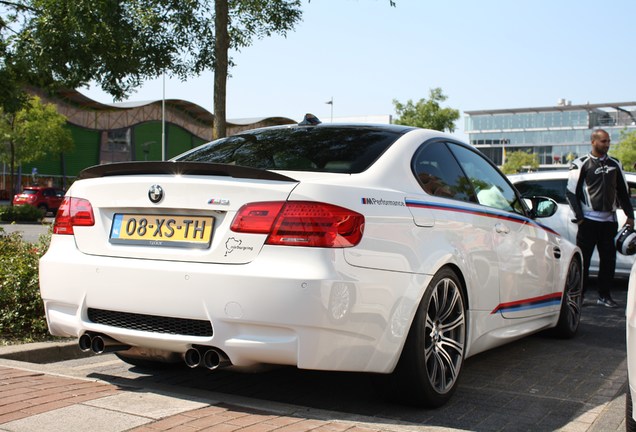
[(431, 361), (570, 314), (630, 423)]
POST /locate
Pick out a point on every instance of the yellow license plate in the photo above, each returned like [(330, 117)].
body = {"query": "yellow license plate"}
[(158, 230)]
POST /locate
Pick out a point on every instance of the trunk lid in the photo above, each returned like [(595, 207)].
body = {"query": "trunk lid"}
[(173, 211)]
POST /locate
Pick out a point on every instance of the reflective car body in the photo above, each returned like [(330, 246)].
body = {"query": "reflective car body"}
[(553, 184), (630, 315), (371, 248)]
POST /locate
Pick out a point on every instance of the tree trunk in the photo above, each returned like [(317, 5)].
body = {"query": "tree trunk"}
[(12, 173), (12, 168), (221, 48)]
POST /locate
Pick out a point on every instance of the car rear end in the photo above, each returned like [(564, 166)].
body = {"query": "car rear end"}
[(181, 256), (28, 196)]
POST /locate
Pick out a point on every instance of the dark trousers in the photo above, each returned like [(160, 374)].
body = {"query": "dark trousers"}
[(600, 235)]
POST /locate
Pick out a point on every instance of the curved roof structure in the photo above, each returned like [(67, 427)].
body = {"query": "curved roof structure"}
[(86, 112), (618, 106)]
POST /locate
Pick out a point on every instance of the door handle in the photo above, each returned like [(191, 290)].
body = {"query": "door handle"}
[(501, 228)]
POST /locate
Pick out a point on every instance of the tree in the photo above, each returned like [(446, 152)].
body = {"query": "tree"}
[(236, 24), (120, 43), (32, 133), (12, 95), (520, 160), (625, 150), (427, 113)]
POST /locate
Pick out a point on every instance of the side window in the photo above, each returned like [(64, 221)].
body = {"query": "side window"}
[(439, 174), (554, 189), (632, 193), (490, 186)]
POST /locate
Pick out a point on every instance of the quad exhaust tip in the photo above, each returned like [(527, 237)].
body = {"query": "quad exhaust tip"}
[(199, 355), (208, 357), (100, 344), (192, 358)]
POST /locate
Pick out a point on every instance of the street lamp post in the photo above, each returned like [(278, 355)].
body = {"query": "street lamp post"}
[(330, 102), (163, 120)]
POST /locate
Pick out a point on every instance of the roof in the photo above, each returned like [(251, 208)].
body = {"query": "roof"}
[(619, 106), (194, 110)]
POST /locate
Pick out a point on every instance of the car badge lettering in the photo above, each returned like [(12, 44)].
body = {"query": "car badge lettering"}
[(155, 193), (219, 201), (382, 202)]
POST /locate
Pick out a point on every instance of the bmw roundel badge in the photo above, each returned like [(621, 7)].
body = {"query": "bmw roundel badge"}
[(155, 193)]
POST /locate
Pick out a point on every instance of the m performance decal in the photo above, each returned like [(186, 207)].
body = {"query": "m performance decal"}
[(382, 202)]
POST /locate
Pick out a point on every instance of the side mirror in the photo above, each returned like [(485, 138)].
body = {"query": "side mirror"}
[(541, 207)]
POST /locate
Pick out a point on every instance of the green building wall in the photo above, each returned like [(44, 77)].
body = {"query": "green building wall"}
[(60, 170)]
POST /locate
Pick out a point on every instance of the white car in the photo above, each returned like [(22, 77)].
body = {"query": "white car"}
[(384, 249), (630, 319), (553, 184)]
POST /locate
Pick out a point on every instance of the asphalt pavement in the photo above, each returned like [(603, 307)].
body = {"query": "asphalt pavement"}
[(30, 231)]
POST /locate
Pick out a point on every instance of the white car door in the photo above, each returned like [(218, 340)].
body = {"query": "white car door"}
[(528, 257)]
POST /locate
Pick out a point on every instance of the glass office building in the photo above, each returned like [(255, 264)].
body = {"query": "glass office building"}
[(556, 134)]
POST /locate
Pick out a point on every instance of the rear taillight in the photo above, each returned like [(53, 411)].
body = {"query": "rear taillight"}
[(301, 223), (73, 212)]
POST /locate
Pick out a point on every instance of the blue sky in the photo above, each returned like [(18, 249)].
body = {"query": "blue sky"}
[(484, 54)]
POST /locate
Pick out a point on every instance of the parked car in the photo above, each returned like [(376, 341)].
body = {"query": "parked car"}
[(553, 184), (45, 198), (630, 320), (384, 249)]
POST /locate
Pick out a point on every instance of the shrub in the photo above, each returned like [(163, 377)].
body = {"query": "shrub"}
[(21, 213), (21, 309)]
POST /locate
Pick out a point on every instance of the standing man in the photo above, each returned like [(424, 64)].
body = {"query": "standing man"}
[(596, 184)]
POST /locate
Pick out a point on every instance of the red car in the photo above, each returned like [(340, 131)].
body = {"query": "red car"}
[(45, 198)]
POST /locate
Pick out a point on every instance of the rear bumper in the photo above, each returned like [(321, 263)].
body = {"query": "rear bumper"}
[(296, 306)]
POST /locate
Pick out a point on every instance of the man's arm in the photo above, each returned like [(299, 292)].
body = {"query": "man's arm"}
[(624, 198), (574, 178)]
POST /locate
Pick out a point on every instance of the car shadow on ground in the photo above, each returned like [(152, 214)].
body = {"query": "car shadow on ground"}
[(537, 383)]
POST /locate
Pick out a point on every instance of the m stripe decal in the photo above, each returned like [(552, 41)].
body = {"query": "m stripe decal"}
[(492, 214), (531, 303)]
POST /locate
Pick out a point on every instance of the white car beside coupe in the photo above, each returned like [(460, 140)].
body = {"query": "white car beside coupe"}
[(553, 184)]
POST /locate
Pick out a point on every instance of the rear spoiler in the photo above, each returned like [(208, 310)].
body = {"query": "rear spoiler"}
[(179, 168)]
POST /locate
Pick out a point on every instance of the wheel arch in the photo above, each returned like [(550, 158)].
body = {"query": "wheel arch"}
[(462, 280)]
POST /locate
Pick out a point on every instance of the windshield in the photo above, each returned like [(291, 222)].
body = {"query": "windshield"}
[(350, 149)]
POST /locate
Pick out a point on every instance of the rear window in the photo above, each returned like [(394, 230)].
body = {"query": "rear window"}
[(323, 148), (554, 189)]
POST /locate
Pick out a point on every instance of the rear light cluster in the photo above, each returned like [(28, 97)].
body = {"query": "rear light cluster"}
[(73, 212), (301, 223), (293, 223)]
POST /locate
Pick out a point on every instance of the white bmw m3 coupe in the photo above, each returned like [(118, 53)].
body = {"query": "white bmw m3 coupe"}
[(384, 249)]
